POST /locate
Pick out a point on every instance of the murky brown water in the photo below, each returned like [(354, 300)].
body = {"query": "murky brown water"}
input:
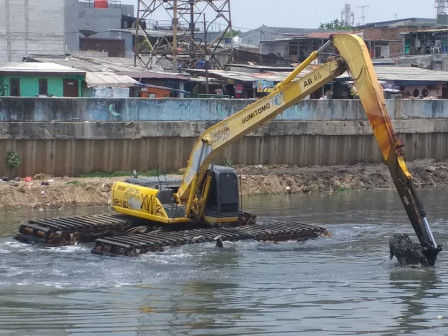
[(343, 285)]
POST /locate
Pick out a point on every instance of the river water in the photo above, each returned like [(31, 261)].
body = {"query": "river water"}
[(342, 285)]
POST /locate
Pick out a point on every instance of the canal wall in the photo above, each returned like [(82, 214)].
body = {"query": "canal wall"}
[(168, 109), (76, 136)]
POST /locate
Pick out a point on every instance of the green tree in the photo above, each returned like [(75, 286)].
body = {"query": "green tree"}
[(334, 25), (12, 161), (232, 33)]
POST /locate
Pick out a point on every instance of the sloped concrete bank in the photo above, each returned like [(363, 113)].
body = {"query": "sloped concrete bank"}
[(280, 179)]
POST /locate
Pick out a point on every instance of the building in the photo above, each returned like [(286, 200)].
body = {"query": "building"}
[(297, 48), (423, 42), (53, 27), (280, 45), (23, 30), (265, 33), (384, 38), (109, 85), (105, 26), (414, 82), (161, 84), (40, 79)]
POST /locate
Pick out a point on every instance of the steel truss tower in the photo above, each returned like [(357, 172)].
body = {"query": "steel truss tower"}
[(193, 33), (441, 6)]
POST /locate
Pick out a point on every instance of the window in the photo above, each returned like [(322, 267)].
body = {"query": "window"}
[(14, 87), (43, 87), (377, 52), (292, 49)]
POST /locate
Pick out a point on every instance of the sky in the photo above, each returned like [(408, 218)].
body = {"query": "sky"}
[(250, 14)]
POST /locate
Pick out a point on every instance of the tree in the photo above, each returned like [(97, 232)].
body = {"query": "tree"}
[(232, 33), (12, 161), (335, 25)]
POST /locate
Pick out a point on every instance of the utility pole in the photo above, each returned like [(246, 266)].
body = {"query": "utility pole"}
[(175, 22), (362, 11)]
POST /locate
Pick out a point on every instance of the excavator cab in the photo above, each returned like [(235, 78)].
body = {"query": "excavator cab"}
[(222, 202), (152, 198)]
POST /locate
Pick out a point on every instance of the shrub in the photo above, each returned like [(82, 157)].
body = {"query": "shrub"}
[(13, 160)]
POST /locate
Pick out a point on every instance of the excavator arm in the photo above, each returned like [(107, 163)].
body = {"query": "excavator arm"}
[(354, 58), (287, 93), (355, 54)]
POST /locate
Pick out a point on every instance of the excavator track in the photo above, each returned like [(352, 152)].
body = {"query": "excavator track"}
[(72, 230), (134, 243), (118, 235)]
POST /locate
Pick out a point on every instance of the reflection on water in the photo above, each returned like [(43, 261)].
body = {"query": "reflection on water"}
[(420, 291), (341, 285)]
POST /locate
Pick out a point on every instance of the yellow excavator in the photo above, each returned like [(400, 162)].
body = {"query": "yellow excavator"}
[(208, 194)]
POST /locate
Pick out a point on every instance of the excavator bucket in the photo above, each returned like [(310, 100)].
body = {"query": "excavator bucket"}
[(409, 253)]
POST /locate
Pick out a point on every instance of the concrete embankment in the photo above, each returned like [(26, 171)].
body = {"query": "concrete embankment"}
[(75, 136)]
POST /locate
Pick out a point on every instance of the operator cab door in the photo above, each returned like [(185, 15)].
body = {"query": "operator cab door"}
[(223, 200)]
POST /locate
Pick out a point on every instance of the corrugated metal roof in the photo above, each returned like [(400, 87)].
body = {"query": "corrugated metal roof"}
[(261, 67), (435, 30), (245, 76), (392, 73), (321, 35), (155, 75), (41, 67), (93, 62), (109, 79), (119, 65), (385, 73)]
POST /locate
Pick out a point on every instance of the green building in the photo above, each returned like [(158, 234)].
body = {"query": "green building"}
[(34, 79)]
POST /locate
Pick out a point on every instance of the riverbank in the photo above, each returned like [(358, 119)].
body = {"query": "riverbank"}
[(45, 191)]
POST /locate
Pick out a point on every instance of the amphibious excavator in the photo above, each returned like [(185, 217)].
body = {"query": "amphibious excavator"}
[(204, 203)]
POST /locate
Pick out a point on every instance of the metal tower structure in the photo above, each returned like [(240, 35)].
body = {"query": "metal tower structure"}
[(441, 6), (182, 33), (347, 16)]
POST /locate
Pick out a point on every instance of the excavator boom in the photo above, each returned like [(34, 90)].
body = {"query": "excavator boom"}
[(285, 94)]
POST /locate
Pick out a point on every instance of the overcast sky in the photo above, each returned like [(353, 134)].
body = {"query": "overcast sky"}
[(249, 14)]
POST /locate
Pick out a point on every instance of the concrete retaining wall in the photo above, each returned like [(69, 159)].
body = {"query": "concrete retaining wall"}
[(135, 109), (75, 136), (75, 148)]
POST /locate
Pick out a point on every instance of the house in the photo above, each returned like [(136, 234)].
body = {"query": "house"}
[(422, 42), (94, 62), (265, 33), (109, 85), (384, 38), (297, 47), (106, 26), (40, 79), (414, 82), (402, 82), (154, 91), (293, 44), (161, 84)]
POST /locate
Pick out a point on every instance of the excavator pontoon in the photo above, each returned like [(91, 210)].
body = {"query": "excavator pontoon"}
[(204, 204)]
